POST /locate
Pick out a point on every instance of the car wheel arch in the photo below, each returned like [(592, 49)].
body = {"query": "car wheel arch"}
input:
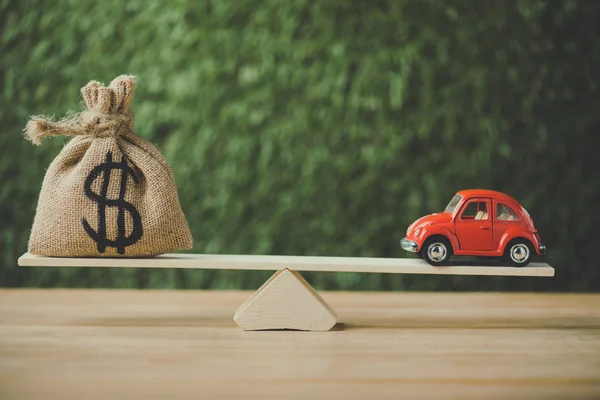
[(509, 237), (442, 236)]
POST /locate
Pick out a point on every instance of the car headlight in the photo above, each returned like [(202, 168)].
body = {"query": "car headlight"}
[(417, 231)]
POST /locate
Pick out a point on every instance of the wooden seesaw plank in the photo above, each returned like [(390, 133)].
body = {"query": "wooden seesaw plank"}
[(297, 263)]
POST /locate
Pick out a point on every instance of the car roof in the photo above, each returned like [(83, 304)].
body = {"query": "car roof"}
[(489, 193)]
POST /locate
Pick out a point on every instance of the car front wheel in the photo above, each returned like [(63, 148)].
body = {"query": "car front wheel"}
[(518, 253), (436, 251)]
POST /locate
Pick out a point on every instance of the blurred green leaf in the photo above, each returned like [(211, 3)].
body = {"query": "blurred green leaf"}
[(320, 128)]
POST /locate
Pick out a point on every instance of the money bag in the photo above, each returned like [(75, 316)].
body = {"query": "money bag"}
[(108, 193)]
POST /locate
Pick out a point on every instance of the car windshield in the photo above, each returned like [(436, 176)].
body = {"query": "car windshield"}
[(453, 203)]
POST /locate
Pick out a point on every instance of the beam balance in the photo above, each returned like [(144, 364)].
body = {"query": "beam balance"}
[(286, 300)]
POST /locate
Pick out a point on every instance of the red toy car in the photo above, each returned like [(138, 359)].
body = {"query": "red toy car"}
[(476, 222)]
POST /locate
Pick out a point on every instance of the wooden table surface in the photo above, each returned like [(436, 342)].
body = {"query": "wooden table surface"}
[(96, 344)]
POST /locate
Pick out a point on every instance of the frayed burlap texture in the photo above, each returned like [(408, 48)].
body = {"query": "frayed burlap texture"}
[(108, 193)]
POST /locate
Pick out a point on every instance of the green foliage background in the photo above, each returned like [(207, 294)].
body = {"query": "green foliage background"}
[(312, 127)]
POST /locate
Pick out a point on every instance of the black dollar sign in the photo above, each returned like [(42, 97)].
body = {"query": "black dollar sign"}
[(99, 237)]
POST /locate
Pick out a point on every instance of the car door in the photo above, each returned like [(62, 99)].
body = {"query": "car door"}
[(473, 225)]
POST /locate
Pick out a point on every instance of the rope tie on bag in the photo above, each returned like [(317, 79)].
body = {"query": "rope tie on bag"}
[(108, 113)]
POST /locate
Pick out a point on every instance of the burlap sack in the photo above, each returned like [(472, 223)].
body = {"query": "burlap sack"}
[(108, 193)]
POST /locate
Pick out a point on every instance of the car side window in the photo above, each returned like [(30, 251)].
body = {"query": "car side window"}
[(505, 213), (475, 210)]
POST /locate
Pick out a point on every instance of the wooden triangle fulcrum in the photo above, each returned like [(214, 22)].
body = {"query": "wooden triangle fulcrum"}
[(285, 301)]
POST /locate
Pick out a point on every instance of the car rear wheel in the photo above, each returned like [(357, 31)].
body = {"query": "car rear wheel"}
[(436, 251), (518, 253)]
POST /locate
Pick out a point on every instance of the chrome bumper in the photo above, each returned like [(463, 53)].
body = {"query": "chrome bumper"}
[(409, 245), (542, 249)]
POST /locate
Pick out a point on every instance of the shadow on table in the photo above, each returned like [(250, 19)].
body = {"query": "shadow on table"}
[(410, 323), (157, 322), (472, 323)]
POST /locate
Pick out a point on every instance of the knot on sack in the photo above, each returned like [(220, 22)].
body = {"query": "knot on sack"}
[(108, 113)]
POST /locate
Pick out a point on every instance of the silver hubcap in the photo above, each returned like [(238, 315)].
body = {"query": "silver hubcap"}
[(437, 252), (519, 253)]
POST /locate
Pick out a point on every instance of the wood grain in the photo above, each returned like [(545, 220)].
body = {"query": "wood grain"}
[(109, 344), (297, 263)]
